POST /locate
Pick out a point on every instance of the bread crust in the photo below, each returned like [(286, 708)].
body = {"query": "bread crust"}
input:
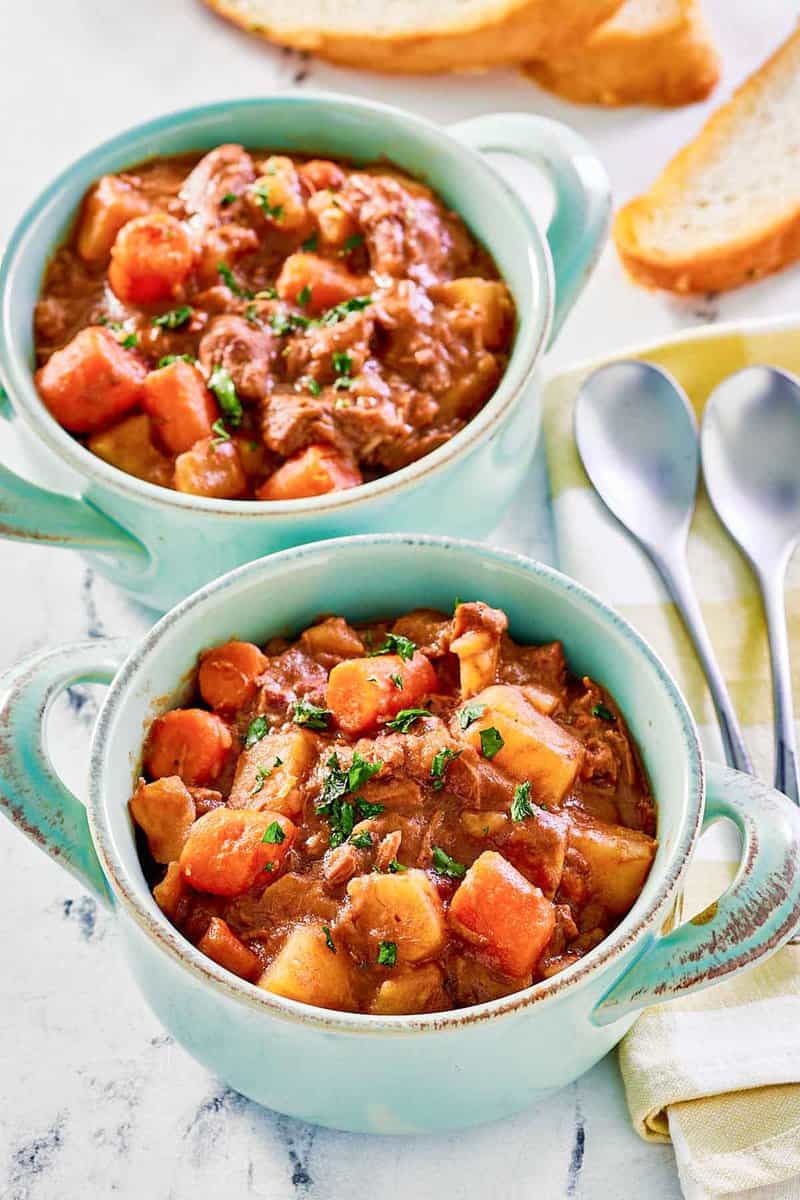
[(721, 267), (514, 31), (670, 64)]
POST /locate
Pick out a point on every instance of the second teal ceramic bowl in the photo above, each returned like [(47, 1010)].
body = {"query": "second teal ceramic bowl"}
[(411, 1073), (161, 545)]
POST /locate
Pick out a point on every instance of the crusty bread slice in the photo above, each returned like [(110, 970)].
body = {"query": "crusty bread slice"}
[(726, 209), (419, 35), (650, 52)]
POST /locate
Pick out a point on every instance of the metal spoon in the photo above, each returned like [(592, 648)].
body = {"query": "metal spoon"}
[(637, 436), (751, 462)]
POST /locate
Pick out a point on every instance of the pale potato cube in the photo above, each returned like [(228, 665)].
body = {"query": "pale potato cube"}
[(542, 700), (270, 773), (277, 194), (166, 812), (488, 297), (129, 446), (334, 222), (619, 858), (483, 824), (306, 969), (477, 635), (332, 637), (403, 908), (414, 990)]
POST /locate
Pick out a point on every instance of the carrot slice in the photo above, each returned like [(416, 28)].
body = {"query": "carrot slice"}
[(91, 381), (150, 259), (497, 908), (221, 943), (188, 742), (225, 852), (314, 471), (227, 675), (362, 692), (182, 408), (318, 282)]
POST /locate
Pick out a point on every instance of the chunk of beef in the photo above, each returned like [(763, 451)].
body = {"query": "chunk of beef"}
[(311, 352), (225, 171), (291, 420), (545, 665), (246, 351)]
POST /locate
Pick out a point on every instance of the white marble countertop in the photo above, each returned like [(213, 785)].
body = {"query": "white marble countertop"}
[(95, 1100)]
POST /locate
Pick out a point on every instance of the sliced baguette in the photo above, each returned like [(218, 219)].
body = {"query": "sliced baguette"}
[(650, 52), (419, 36), (726, 209)]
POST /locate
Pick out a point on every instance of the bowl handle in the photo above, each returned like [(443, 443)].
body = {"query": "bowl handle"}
[(579, 225), (29, 513), (32, 795), (752, 919)]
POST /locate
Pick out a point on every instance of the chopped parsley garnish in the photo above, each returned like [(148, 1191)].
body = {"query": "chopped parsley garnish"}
[(174, 318), (251, 313), (114, 326), (267, 293), (311, 715), (470, 713), (256, 730), (222, 433), (304, 295), (604, 713), (352, 243), (395, 643), (522, 805), (342, 383), (171, 358), (395, 868), (441, 762), (443, 864), (339, 784), (228, 198), (329, 939), (342, 362), (397, 680), (285, 322), (491, 742), (311, 243), (406, 718), (338, 313), (229, 279), (387, 954), (313, 386), (224, 389), (261, 193), (129, 341), (274, 834), (362, 841)]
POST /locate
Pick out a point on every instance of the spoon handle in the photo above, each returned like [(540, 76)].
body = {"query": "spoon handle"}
[(785, 745), (679, 584)]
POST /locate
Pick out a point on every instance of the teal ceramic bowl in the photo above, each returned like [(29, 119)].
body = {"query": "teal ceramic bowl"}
[(413, 1073), (147, 538)]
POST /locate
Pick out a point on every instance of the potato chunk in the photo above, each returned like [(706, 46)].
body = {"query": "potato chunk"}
[(477, 634), (269, 774), (306, 969), (129, 446), (487, 297), (171, 891), (415, 990), (404, 909), (165, 811), (534, 747), (619, 858)]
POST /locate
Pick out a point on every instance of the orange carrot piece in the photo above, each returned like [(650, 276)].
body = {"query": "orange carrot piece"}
[(362, 692), (314, 471), (188, 742), (150, 259), (320, 174), (182, 408), (497, 908), (227, 675), (225, 852), (328, 283), (91, 381), (110, 204), (211, 468), (221, 943)]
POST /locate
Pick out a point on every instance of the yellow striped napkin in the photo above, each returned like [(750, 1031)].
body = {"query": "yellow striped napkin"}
[(718, 1073)]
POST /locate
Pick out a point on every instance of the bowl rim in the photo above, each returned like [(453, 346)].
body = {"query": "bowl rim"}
[(532, 333), (168, 939)]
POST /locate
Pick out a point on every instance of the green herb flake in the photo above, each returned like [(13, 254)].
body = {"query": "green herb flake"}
[(334, 803), (387, 954), (310, 715), (311, 243), (443, 864), (521, 804), (470, 713), (491, 742), (229, 279), (175, 318), (262, 774), (397, 680), (168, 359), (256, 730), (228, 198), (395, 868), (342, 362), (285, 322), (274, 834), (224, 389), (267, 293), (362, 841), (304, 295), (313, 386), (441, 762), (352, 243), (395, 643), (342, 383), (222, 433), (329, 939), (406, 718), (603, 712), (251, 313), (130, 341), (338, 313)]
